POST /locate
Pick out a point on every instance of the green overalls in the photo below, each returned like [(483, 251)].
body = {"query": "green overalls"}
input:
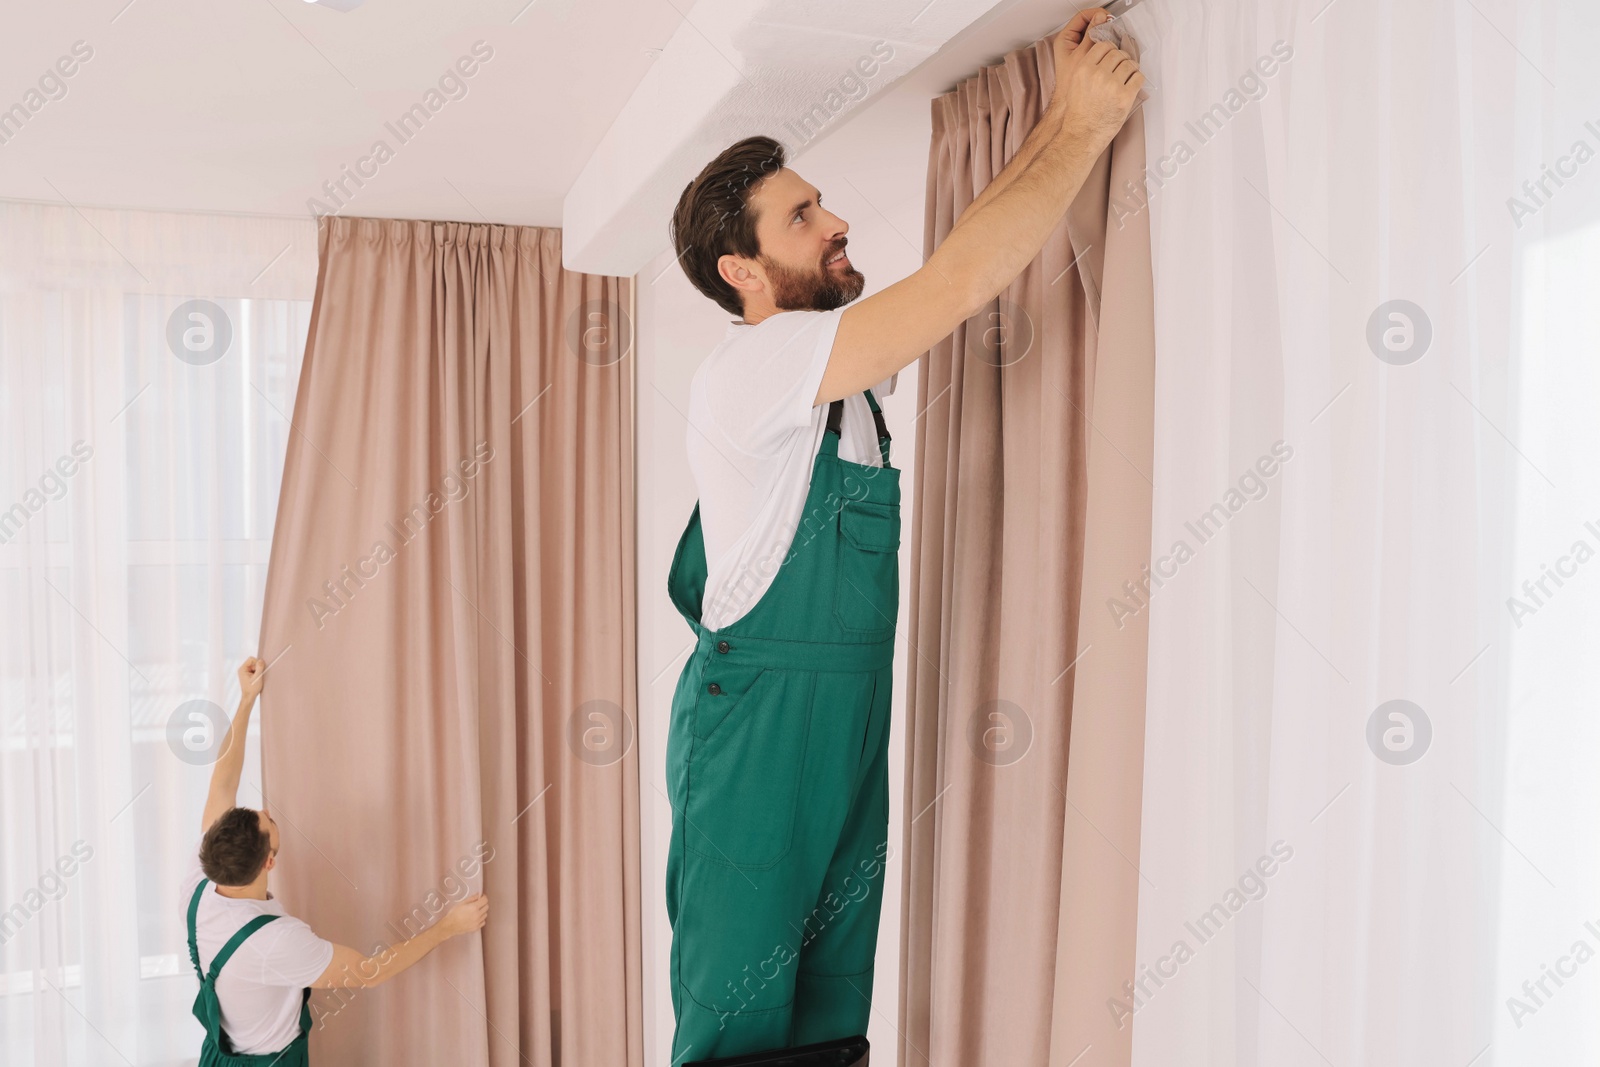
[(217, 1051), (777, 769)]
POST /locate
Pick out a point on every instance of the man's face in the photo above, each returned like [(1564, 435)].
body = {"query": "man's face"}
[(802, 248)]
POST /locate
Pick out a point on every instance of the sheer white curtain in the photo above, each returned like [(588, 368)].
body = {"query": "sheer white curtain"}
[(143, 438), (1377, 258)]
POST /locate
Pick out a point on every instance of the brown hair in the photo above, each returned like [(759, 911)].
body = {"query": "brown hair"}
[(713, 219), (235, 849)]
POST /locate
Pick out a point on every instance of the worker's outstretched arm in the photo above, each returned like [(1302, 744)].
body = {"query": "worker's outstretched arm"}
[(353, 969), (1096, 88), (225, 772)]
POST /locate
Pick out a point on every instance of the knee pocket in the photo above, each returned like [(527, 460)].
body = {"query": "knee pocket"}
[(744, 774)]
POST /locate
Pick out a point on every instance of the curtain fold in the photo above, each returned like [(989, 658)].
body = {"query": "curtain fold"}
[(449, 620), (1025, 694)]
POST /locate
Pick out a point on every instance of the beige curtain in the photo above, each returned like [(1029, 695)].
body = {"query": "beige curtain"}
[(1025, 696), (449, 622)]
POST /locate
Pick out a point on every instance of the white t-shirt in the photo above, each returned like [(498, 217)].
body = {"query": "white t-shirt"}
[(259, 987), (754, 433)]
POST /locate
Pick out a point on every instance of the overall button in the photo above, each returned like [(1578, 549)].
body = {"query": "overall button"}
[(722, 646), (714, 689)]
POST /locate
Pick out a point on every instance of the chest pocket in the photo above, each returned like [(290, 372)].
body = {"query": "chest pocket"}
[(867, 592)]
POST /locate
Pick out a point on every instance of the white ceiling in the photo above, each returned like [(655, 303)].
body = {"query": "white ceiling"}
[(251, 106)]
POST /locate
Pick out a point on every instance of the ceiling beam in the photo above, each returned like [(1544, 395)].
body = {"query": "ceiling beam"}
[(790, 69)]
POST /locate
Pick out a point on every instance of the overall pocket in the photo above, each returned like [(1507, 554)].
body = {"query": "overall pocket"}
[(735, 687), (744, 776), (867, 591)]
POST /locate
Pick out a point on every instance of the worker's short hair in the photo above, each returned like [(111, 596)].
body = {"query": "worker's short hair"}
[(235, 848), (713, 217)]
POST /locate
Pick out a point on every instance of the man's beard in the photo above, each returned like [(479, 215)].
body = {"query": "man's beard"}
[(798, 290)]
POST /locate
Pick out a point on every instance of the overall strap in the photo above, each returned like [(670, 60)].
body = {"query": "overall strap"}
[(234, 942), (836, 420), (194, 906), (883, 427)]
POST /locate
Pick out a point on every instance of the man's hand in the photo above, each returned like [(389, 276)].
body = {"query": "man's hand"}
[(1073, 31), (1096, 84), (252, 676), (467, 916)]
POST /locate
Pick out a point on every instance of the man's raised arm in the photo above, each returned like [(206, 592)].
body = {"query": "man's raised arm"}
[(1049, 124), (1096, 88), (230, 764)]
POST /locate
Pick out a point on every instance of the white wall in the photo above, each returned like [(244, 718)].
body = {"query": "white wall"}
[(873, 174)]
